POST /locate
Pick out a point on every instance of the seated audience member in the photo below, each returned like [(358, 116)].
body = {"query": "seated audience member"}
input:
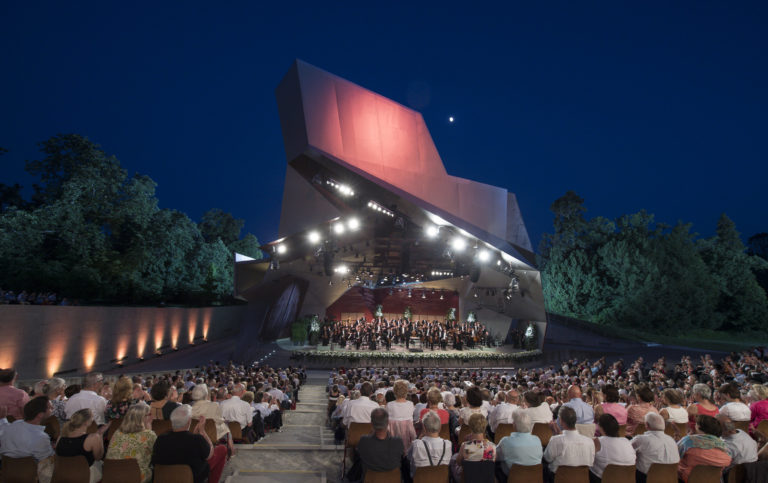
[(610, 448), (379, 451), (475, 448), (733, 408), (673, 411), (135, 439), (611, 405), (121, 399), (89, 398), (568, 448), (76, 441), (12, 397), (702, 405), (400, 413), (503, 411), (430, 449), (434, 398), (235, 409), (161, 406), (54, 391), (537, 408), (359, 410), (26, 436), (654, 446), (704, 447), (194, 449), (584, 412), (741, 447), (210, 410), (474, 398), (759, 407), (520, 447), (636, 412)]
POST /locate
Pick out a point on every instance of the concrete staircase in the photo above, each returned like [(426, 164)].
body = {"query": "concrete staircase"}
[(303, 452)]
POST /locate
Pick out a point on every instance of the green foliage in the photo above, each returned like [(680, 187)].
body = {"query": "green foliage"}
[(636, 273), (93, 232)]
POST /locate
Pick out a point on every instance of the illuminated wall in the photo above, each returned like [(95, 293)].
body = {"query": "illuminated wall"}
[(41, 340)]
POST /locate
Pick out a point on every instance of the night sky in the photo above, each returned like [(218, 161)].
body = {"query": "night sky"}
[(646, 105)]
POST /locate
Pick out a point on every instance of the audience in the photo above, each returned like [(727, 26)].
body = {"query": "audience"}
[(653, 446), (741, 447), (610, 448), (202, 407), (11, 397), (475, 448), (359, 410), (26, 436), (88, 398), (76, 441), (379, 451), (121, 399), (704, 447), (161, 406), (759, 408), (503, 412), (400, 412), (733, 407), (520, 447), (568, 448), (430, 449), (611, 406), (135, 439)]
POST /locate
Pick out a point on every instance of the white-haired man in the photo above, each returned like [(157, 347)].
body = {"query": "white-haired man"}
[(520, 447), (431, 449), (653, 446), (235, 409)]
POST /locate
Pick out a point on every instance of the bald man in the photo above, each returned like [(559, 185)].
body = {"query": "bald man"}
[(584, 412)]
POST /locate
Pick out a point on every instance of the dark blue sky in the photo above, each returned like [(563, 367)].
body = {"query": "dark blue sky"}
[(641, 105)]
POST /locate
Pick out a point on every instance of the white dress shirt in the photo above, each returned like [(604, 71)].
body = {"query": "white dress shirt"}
[(613, 451), (439, 449), (21, 439), (502, 414), (654, 447), (358, 410), (540, 414), (737, 411), (235, 409), (741, 447), (569, 449), (87, 399)]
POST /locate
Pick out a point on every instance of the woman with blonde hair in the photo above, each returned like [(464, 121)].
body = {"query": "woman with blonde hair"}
[(76, 441), (121, 399), (476, 448), (401, 414), (134, 439)]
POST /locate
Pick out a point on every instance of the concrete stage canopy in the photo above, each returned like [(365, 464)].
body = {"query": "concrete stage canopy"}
[(370, 216)]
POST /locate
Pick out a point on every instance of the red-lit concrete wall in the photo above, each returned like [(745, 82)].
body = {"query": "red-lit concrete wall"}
[(41, 340)]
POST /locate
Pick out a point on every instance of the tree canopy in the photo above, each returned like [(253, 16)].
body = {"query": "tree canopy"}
[(635, 272), (92, 232)]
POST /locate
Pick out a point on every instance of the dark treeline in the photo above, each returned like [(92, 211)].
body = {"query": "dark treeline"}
[(635, 272), (89, 231)]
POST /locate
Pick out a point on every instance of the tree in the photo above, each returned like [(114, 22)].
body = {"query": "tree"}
[(222, 225)]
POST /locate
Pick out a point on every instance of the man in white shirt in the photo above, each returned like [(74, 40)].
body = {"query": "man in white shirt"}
[(27, 437), (502, 413), (653, 446), (88, 397), (431, 449), (235, 409), (568, 448), (359, 410), (741, 446)]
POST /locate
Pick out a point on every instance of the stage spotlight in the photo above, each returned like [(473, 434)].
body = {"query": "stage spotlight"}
[(281, 249), (484, 255), (338, 228), (424, 294), (459, 244), (314, 237), (353, 224), (442, 297), (498, 262), (341, 269), (432, 231)]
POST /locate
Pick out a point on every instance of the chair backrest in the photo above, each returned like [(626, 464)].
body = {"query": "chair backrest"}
[(355, 431), (662, 473), (172, 474), (431, 474), (639, 429), (236, 430), (121, 471), (391, 476), (742, 425), (676, 430), (210, 428), (445, 432), (464, 433), (70, 469), (737, 474), (114, 425), (526, 474), (762, 428), (52, 428), (19, 470), (161, 426), (572, 474), (618, 473), (543, 432), (503, 430), (705, 474), (478, 471)]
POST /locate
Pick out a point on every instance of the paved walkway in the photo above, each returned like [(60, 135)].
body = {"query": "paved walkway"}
[(303, 452)]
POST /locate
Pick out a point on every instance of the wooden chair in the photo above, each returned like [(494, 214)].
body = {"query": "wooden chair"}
[(52, 428), (237, 432), (121, 471), (618, 474), (391, 476), (526, 474), (742, 425), (431, 474), (161, 426), (737, 474), (503, 430), (478, 471), (705, 474), (464, 433), (762, 428), (662, 473), (543, 432), (70, 469), (19, 470), (572, 474), (639, 429), (354, 432), (114, 425), (210, 429), (445, 432), (622, 430), (173, 474)]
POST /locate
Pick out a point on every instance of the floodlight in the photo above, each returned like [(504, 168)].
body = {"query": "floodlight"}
[(281, 249), (314, 237), (432, 231), (353, 224), (459, 244), (484, 255), (338, 228)]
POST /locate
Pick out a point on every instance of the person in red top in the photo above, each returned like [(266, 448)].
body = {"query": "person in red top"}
[(12, 397), (759, 406), (702, 404), (434, 398)]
